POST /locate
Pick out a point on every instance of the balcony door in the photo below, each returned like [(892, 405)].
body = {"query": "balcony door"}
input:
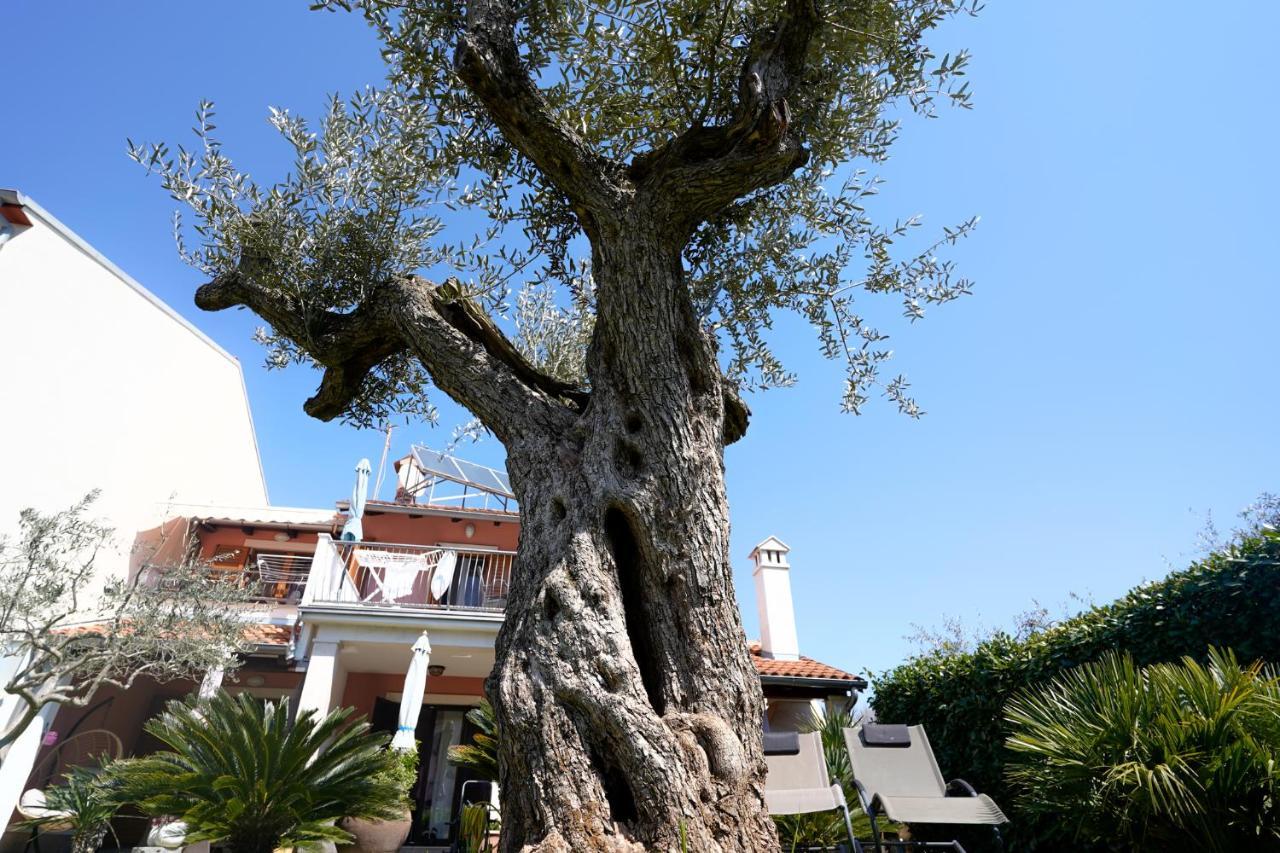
[(437, 794)]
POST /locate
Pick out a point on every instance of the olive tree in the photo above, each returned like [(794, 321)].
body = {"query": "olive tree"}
[(578, 220), (67, 630)]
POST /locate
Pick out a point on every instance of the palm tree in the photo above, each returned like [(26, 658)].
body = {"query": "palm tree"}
[(481, 755), (81, 804), (1171, 756), (243, 774)]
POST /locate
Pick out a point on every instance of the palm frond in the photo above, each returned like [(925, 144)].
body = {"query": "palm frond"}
[(239, 769), (1184, 750)]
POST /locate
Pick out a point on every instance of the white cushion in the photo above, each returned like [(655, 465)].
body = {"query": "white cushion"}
[(170, 835)]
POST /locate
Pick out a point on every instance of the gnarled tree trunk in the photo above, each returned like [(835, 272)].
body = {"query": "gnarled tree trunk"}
[(630, 713)]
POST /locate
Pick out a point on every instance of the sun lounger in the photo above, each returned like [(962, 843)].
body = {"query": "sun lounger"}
[(798, 781), (896, 775)]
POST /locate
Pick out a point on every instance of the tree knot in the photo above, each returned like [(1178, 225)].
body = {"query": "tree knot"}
[(724, 755)]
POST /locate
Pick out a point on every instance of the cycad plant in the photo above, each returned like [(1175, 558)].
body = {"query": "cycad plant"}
[(1171, 756), (481, 755), (242, 774), (82, 804)]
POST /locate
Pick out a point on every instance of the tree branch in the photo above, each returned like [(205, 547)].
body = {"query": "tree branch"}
[(467, 356), (470, 359), (488, 61), (698, 173), (348, 346)]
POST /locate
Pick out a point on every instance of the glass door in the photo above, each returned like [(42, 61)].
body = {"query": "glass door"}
[(437, 794), (437, 778)]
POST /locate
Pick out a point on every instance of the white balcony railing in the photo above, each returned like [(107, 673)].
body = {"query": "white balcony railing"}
[(410, 576)]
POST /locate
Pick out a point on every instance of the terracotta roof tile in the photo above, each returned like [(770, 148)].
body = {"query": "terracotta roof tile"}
[(269, 635), (257, 634), (802, 668)]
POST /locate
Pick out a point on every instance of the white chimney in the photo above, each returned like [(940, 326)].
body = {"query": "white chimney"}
[(409, 479), (773, 600)]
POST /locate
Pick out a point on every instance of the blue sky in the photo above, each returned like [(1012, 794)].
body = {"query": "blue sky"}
[(1110, 382)]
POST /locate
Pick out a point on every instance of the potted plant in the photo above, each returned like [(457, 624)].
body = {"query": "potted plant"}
[(387, 834), (242, 774), (480, 758), (81, 805), (475, 829)]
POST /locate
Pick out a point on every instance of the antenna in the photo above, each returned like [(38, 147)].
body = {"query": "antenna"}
[(382, 466)]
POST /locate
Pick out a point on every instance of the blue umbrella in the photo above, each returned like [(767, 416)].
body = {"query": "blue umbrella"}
[(353, 530)]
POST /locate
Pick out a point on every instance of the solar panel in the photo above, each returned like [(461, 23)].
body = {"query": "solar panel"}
[(446, 467)]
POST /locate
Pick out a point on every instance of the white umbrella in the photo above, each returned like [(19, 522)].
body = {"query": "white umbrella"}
[(353, 530), (415, 685), (443, 575)]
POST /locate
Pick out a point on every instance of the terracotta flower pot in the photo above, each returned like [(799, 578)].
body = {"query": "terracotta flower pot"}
[(376, 836)]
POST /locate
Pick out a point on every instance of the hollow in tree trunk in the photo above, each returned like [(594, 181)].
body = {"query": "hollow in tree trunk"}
[(629, 710)]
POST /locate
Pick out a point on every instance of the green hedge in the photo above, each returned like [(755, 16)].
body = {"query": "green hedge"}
[(1231, 599)]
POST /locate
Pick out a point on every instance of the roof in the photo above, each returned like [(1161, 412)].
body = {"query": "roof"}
[(804, 669), (290, 516), (773, 543), (255, 633), (268, 635), (375, 506)]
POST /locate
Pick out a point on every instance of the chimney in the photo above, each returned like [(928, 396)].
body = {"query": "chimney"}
[(773, 600), (409, 480)]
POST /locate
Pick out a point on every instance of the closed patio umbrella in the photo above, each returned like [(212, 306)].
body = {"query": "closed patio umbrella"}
[(353, 530), (415, 685)]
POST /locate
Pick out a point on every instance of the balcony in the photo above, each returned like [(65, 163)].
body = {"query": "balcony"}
[(410, 577), (270, 579)]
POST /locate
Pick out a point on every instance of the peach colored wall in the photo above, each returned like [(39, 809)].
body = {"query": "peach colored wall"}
[(364, 687), (229, 537), (433, 529), (125, 714), (381, 527), (282, 679)]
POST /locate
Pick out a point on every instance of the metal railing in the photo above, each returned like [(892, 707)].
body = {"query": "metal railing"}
[(270, 579), (414, 576), (280, 577)]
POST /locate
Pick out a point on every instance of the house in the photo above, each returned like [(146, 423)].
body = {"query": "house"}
[(109, 388), (335, 620), (106, 387), (109, 402)]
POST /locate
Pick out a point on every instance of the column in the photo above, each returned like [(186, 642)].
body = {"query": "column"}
[(320, 684)]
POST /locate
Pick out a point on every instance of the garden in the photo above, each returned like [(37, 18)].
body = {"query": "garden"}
[(250, 777), (1151, 723)]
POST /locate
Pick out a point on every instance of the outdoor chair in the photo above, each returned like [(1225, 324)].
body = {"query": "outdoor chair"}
[(896, 775), (798, 781)]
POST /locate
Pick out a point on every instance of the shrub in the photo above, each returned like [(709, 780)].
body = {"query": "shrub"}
[(1229, 599), (242, 773), (1167, 757)]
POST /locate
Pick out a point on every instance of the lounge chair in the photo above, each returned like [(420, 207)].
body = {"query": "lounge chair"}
[(896, 775), (798, 781)]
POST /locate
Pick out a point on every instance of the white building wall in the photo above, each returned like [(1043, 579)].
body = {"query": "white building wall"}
[(104, 386)]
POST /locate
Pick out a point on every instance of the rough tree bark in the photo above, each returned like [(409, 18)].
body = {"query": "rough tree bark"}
[(629, 710), (628, 705)]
